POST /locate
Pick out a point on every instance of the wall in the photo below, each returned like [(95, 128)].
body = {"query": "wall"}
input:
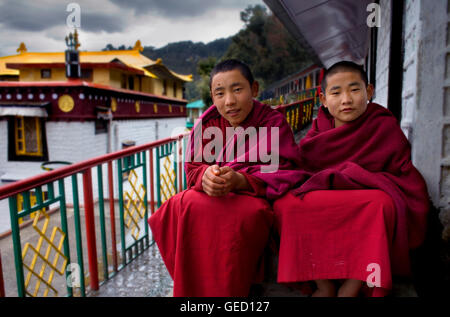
[(428, 134), (432, 119), (382, 67), (57, 74), (115, 78), (412, 29), (77, 141), (147, 85), (101, 76)]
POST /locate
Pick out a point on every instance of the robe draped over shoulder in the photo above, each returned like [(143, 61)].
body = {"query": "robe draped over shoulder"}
[(370, 153)]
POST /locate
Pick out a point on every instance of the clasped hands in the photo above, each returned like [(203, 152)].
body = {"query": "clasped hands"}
[(219, 181)]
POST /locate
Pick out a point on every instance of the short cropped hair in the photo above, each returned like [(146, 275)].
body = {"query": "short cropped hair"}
[(229, 65), (343, 66)]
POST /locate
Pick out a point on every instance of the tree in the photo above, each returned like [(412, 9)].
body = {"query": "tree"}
[(265, 45), (204, 68)]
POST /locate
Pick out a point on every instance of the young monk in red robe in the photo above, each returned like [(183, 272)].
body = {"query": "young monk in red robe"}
[(362, 204), (212, 235)]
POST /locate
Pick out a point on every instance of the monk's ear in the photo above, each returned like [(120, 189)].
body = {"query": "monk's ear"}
[(255, 89), (370, 91), (323, 99)]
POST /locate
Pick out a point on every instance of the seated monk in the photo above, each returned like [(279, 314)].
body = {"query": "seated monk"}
[(361, 205), (212, 235)]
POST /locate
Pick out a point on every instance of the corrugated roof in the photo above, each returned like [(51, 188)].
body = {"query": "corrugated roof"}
[(196, 104), (333, 30), (130, 58)]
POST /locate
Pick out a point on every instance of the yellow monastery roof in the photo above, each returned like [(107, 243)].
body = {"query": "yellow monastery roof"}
[(130, 58)]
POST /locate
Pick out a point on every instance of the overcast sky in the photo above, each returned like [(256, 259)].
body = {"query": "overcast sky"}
[(42, 24)]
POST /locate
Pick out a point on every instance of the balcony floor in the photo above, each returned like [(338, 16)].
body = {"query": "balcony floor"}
[(146, 276)]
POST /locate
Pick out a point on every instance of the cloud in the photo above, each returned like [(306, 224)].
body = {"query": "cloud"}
[(41, 24), (181, 8), (31, 16), (42, 15)]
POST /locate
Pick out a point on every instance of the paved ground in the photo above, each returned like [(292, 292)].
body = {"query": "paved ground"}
[(146, 276)]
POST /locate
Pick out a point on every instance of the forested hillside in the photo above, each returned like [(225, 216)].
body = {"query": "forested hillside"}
[(263, 43)]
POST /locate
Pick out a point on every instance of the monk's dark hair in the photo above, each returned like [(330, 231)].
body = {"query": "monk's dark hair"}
[(344, 66), (229, 65)]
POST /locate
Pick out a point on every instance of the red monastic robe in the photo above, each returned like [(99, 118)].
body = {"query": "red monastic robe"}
[(212, 246), (361, 207)]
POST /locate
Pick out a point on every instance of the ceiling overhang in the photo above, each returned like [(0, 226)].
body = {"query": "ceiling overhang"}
[(333, 30)]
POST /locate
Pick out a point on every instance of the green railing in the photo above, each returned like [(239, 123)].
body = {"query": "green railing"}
[(51, 251), (295, 97), (298, 114)]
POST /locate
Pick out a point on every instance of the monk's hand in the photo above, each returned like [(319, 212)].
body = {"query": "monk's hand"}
[(212, 182), (234, 180)]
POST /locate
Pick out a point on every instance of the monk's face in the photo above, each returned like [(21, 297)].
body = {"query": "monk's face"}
[(233, 95), (346, 96)]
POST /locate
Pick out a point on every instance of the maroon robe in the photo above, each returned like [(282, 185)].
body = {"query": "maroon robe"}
[(376, 209), (212, 246)]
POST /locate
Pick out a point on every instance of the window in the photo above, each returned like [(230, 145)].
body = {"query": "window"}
[(101, 126), (86, 74), (27, 139), (46, 73), (164, 92), (123, 81), (131, 82), (174, 89)]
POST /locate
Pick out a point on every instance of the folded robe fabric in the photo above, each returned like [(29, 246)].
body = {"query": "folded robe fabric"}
[(212, 245), (368, 153)]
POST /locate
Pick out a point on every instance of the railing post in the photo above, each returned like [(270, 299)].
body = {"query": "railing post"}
[(101, 204), (121, 207), (17, 246), (90, 228), (2, 283), (180, 169), (112, 214), (158, 178), (152, 182), (76, 218)]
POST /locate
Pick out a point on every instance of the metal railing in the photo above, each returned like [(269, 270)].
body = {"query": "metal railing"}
[(300, 113), (294, 97), (49, 249)]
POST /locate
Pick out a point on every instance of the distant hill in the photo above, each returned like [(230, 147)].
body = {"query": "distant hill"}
[(182, 57)]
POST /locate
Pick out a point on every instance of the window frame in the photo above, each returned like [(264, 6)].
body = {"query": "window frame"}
[(14, 151), (49, 73)]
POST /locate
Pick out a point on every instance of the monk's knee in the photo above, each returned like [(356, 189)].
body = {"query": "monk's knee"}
[(384, 202)]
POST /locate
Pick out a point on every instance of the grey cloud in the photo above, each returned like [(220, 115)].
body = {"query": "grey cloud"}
[(32, 16), (96, 22), (181, 8)]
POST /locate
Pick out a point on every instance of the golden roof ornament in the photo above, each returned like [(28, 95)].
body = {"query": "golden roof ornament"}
[(138, 46), (22, 48), (72, 41)]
